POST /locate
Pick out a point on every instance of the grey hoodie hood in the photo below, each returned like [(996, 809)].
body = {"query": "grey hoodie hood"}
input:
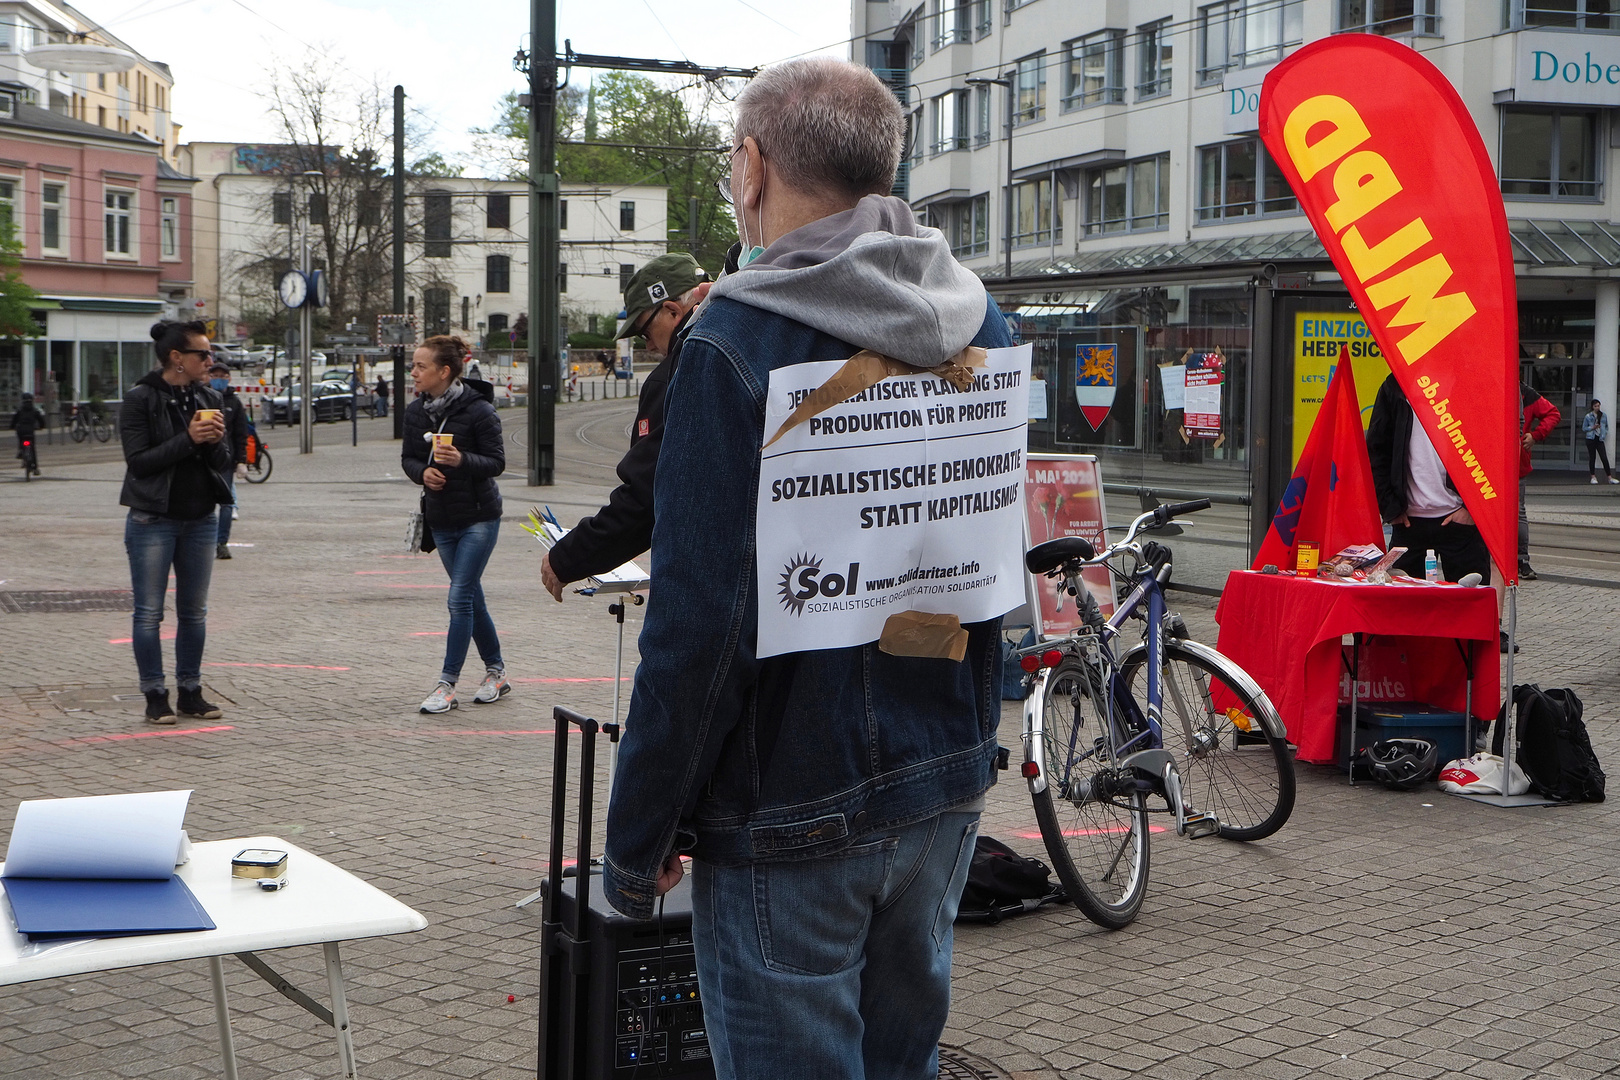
[(871, 276)]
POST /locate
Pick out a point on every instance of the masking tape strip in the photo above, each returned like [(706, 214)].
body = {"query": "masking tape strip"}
[(866, 369)]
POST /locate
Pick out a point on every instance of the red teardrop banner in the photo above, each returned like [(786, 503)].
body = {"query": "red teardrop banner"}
[(1389, 167)]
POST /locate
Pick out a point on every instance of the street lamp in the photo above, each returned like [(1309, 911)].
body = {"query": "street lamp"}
[(1006, 82)]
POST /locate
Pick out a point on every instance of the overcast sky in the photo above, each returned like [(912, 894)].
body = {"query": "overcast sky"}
[(454, 59)]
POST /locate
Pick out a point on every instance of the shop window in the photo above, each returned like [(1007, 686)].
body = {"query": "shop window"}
[(1239, 179), (1030, 84), (1130, 197), (498, 325), (1389, 16), (1094, 70), (1245, 33), (627, 216), (1037, 213), (1155, 44), (1550, 154), (951, 121)]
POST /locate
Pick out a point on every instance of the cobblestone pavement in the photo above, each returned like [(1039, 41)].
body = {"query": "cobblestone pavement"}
[(1411, 935)]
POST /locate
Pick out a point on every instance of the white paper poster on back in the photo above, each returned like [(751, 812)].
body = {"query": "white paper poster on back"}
[(906, 497)]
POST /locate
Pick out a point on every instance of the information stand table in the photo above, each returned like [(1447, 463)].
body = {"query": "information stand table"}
[(1286, 632), (321, 905)]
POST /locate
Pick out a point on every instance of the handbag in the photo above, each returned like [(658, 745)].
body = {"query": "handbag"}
[(1481, 775), (418, 537)]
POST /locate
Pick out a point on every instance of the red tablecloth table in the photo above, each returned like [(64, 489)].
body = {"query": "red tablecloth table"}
[(1286, 632)]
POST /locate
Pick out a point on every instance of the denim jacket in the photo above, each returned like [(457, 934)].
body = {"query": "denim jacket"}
[(737, 759)]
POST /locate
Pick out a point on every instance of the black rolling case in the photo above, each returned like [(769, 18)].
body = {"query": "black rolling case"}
[(618, 998)]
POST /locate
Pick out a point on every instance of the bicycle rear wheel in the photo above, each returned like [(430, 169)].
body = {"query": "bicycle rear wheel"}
[(259, 471), (1097, 838), (1232, 762), (79, 430), (102, 429)]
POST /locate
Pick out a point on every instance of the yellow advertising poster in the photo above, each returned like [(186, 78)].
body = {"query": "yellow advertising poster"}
[(1317, 337)]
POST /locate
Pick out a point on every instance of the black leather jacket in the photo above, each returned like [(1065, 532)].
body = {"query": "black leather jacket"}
[(153, 431), (470, 494)]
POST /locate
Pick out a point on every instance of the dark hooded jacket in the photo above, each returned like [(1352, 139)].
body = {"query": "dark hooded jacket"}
[(470, 494), (152, 426)]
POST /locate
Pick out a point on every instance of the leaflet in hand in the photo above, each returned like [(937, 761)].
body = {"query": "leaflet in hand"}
[(625, 578)]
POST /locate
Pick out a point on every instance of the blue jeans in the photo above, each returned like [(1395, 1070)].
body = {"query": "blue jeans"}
[(155, 544), (833, 968), (224, 534), (465, 552)]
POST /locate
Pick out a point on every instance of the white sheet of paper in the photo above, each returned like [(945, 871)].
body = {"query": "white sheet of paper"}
[(1173, 380), (1037, 399), (907, 497), (627, 574), (99, 836), (1204, 400)]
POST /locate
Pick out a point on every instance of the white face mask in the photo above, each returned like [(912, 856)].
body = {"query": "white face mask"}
[(754, 252)]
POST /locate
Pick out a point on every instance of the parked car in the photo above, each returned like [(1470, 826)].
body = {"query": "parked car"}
[(332, 402), (229, 355), (337, 374)]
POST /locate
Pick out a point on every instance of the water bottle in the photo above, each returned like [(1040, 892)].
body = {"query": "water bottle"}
[(1431, 566)]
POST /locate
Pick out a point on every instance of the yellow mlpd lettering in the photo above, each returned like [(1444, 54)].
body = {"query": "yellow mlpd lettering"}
[(1369, 262), (1363, 181), (1416, 289), (1346, 132)]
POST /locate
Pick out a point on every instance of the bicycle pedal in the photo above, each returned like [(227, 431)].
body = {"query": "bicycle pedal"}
[(1201, 825)]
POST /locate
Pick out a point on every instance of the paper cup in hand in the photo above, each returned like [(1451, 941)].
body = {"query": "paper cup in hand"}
[(442, 441), (209, 415)]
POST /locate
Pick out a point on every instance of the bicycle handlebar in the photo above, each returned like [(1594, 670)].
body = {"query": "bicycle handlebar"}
[(1177, 509)]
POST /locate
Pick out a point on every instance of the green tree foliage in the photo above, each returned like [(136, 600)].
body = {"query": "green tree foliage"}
[(635, 131), (434, 164), (16, 318)]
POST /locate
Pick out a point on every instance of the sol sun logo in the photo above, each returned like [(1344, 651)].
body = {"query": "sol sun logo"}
[(802, 580)]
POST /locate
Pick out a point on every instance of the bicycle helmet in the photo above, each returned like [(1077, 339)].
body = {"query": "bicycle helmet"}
[(1402, 764)]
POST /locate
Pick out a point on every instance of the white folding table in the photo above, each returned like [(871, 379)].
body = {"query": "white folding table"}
[(321, 905)]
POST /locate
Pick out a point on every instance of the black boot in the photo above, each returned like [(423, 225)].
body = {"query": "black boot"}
[(221, 551), (194, 705), (157, 707)]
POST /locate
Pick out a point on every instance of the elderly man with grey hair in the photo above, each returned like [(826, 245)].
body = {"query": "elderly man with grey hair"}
[(829, 799)]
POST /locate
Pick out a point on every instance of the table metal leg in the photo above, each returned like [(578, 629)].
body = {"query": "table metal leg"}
[(1355, 703), (222, 1017), (340, 1009)]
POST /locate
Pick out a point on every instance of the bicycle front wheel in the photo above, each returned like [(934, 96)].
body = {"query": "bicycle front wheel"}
[(79, 430), (259, 471), (102, 429), (1232, 763), (1095, 833)]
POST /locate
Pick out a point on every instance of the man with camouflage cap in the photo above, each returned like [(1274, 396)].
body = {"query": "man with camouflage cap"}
[(658, 304)]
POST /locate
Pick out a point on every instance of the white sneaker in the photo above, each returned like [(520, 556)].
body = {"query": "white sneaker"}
[(1594, 479), (493, 688), (1614, 480), (443, 699)]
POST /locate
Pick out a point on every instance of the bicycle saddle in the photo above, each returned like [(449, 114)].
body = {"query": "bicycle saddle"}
[(1043, 558)]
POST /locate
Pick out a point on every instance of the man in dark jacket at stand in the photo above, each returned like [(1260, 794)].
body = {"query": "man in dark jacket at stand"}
[(1416, 496), (1540, 416), (658, 303)]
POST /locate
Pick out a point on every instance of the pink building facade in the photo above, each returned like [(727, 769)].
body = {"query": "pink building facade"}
[(105, 227)]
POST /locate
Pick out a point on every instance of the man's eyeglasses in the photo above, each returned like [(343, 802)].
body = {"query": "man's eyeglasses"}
[(723, 183)]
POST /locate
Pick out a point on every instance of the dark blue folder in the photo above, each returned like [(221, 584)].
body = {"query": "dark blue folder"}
[(48, 908)]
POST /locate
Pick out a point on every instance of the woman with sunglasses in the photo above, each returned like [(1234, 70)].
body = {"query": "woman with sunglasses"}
[(176, 464)]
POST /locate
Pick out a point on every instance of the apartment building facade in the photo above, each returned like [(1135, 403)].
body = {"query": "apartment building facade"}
[(467, 255), (1143, 218)]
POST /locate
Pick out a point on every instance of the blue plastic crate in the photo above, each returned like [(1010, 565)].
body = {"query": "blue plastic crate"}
[(1402, 720)]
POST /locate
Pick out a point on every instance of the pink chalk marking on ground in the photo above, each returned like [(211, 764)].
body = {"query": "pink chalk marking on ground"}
[(594, 678), (122, 735), (166, 635), (548, 732), (423, 571), (304, 667), (413, 585)]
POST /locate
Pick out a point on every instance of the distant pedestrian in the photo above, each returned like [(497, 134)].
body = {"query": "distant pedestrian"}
[(1595, 429), (176, 463), (381, 407), (236, 436), (463, 503), (1539, 418), (26, 422)]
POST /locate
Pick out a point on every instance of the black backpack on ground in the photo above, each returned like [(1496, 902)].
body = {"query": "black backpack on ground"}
[(1553, 748), (1002, 882)]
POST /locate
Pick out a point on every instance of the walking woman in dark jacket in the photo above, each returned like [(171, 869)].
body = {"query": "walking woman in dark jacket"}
[(176, 463), (463, 503)]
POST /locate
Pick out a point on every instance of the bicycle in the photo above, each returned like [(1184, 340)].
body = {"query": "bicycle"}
[(259, 462), (86, 420), (1097, 743), (29, 457)]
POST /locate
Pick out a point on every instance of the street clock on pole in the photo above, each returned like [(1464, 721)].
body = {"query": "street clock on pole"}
[(293, 289)]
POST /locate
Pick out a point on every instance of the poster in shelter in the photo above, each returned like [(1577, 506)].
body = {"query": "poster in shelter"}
[(1206, 375), (1064, 497)]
